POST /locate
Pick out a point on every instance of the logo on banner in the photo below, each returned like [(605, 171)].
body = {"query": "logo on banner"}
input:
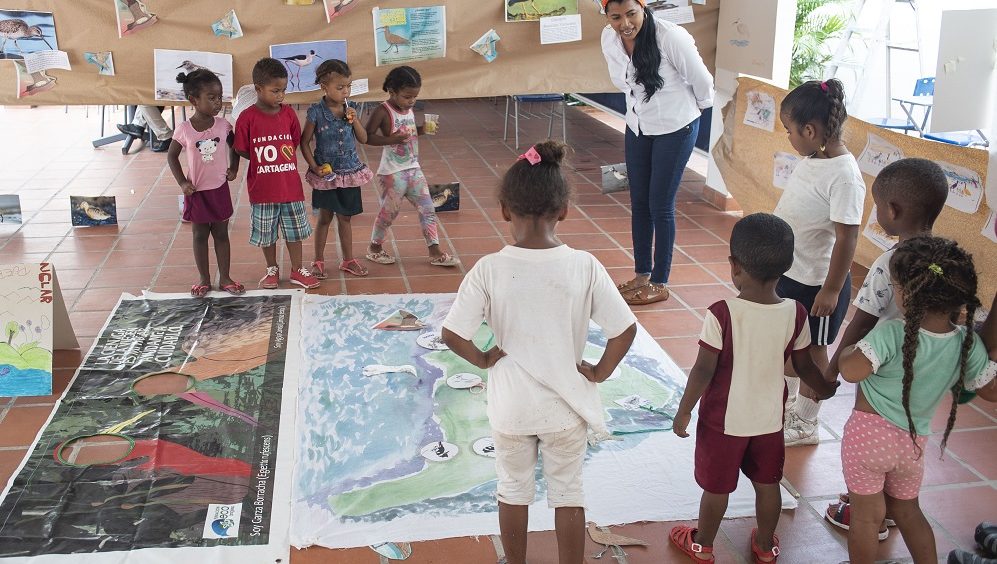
[(222, 521)]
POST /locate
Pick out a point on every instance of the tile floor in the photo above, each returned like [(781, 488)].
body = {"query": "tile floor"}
[(47, 157)]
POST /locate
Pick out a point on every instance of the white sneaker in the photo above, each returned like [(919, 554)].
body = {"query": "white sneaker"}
[(799, 431)]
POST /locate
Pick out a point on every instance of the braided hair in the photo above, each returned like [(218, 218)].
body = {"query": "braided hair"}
[(936, 276), (646, 56), (402, 77), (821, 102)]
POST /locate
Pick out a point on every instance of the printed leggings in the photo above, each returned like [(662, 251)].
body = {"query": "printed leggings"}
[(411, 185)]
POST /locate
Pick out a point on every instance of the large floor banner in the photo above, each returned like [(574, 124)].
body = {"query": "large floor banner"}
[(174, 440)]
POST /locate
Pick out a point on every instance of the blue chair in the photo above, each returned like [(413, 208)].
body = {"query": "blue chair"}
[(961, 138), (535, 98), (923, 87)]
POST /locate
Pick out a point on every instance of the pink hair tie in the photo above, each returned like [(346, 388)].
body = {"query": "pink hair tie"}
[(823, 86), (531, 156)]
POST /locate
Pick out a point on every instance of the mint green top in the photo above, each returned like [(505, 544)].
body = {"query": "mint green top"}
[(936, 370)]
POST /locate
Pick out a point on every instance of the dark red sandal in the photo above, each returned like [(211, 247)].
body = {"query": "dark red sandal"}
[(760, 555), (684, 538)]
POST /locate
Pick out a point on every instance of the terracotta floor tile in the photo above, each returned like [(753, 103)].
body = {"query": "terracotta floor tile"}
[(684, 274), (702, 296), (477, 229), (319, 555), (21, 425), (60, 380), (708, 253), (802, 535), (138, 277), (88, 323), (815, 470), (678, 323), (696, 237), (80, 259), (967, 446), (959, 510), (588, 241), (375, 286), (967, 417), (611, 258), (682, 350), (97, 299), (435, 284)]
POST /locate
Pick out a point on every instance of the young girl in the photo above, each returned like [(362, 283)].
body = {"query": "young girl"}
[(335, 171), (211, 163), (536, 397), (823, 203), (904, 368), (399, 175)]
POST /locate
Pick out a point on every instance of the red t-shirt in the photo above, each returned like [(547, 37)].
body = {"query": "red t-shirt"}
[(271, 140)]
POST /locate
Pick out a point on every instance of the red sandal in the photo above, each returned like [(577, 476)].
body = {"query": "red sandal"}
[(354, 267), (684, 538), (759, 554)]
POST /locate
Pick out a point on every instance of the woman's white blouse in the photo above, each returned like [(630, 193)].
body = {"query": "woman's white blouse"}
[(688, 85)]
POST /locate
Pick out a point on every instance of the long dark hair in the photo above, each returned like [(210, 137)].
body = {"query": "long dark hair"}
[(647, 56)]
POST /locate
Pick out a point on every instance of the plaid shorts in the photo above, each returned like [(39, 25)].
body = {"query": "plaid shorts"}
[(290, 217)]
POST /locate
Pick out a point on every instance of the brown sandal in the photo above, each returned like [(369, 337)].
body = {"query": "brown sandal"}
[(648, 294), (632, 285)]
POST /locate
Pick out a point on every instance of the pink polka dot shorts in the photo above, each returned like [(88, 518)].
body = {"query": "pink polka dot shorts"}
[(877, 456)]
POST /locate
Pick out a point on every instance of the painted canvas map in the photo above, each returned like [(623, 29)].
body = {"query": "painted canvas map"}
[(394, 443)]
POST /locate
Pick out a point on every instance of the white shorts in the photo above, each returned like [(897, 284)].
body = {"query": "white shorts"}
[(563, 453)]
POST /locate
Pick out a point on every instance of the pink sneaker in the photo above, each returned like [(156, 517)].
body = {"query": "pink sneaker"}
[(271, 279), (302, 277)]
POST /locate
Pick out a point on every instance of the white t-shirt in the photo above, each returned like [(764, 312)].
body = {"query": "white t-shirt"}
[(538, 302), (875, 297), (820, 193)]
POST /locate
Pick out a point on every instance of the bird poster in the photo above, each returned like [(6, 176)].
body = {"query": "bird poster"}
[(103, 60), (133, 15), (302, 60), (90, 211), (23, 32), (487, 45), (31, 83), (533, 10), (227, 26), (446, 197), (614, 178), (336, 8), (26, 312), (169, 63), (405, 35)]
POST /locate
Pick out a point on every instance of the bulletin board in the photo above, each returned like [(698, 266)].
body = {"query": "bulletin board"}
[(523, 66), (745, 155)]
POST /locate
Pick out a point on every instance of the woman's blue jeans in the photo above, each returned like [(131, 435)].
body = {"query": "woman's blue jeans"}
[(654, 165)]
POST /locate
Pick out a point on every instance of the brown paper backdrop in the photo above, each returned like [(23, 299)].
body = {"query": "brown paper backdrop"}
[(744, 155), (522, 67)]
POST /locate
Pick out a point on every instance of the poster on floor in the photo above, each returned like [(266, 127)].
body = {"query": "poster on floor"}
[(398, 446), (533, 10), (90, 211), (23, 32), (405, 35), (133, 16), (10, 209), (615, 178), (336, 8), (446, 197), (173, 442), (27, 296), (169, 63), (302, 60)]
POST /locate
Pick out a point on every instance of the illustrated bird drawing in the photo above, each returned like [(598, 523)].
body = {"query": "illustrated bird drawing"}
[(227, 26), (189, 67), (532, 4), (393, 40), (99, 59), (295, 63), (14, 29), (340, 6)]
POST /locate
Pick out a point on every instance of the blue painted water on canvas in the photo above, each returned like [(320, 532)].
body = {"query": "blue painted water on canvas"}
[(16, 382)]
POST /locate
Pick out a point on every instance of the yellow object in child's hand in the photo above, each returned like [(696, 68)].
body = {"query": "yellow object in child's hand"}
[(325, 169), (351, 114)]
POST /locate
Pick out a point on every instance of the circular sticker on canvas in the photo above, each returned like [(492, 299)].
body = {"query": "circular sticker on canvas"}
[(616, 373), (440, 451), (431, 341), (464, 380), (485, 446)]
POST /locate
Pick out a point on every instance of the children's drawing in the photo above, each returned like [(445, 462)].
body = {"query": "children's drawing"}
[(227, 26), (485, 446), (440, 451), (875, 233), (336, 8), (431, 341), (760, 112), (302, 59), (400, 320), (634, 402), (88, 211), (990, 227), (378, 369), (446, 197), (23, 32), (169, 63), (405, 35), (965, 187), (133, 15), (614, 178), (533, 10), (782, 168), (31, 83), (487, 45), (103, 60), (10, 209), (463, 381), (741, 34), (26, 313), (877, 154)]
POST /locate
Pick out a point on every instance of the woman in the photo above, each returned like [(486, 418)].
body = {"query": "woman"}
[(667, 86)]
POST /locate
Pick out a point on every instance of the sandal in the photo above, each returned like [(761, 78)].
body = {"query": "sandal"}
[(235, 288), (199, 290), (840, 515), (684, 538), (380, 257), (444, 260), (843, 498), (648, 294), (318, 269), (354, 267), (632, 285), (759, 555)]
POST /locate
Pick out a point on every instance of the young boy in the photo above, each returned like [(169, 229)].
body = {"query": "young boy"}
[(268, 134), (738, 375)]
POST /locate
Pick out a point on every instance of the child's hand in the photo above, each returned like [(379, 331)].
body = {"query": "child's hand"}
[(829, 390), (824, 303), (188, 188), (398, 138), (591, 373), (351, 115), (490, 357), (681, 423), (231, 174)]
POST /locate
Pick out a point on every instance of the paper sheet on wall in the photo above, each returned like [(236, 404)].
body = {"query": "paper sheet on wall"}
[(965, 187), (404, 35), (877, 154), (103, 60), (782, 167), (31, 83), (990, 227), (560, 29), (227, 26), (45, 60), (359, 86), (675, 11), (487, 45), (875, 233), (760, 112)]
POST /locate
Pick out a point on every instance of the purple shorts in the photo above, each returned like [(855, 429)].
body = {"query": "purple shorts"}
[(208, 206), (719, 458)]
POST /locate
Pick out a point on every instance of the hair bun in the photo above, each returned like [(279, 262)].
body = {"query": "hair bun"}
[(551, 151), (182, 78)]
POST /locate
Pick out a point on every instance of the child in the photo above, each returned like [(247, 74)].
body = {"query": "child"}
[(823, 203), (904, 368), (336, 187), (267, 134), (399, 174), (540, 317), (207, 203), (738, 374)]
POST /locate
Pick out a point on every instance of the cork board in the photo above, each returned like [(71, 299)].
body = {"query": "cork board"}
[(522, 67), (744, 154)]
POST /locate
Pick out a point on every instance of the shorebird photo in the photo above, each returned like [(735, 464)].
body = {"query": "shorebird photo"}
[(23, 32), (302, 59), (169, 63)]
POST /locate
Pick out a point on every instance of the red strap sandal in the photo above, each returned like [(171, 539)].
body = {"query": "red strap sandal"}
[(764, 557), (684, 538)]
